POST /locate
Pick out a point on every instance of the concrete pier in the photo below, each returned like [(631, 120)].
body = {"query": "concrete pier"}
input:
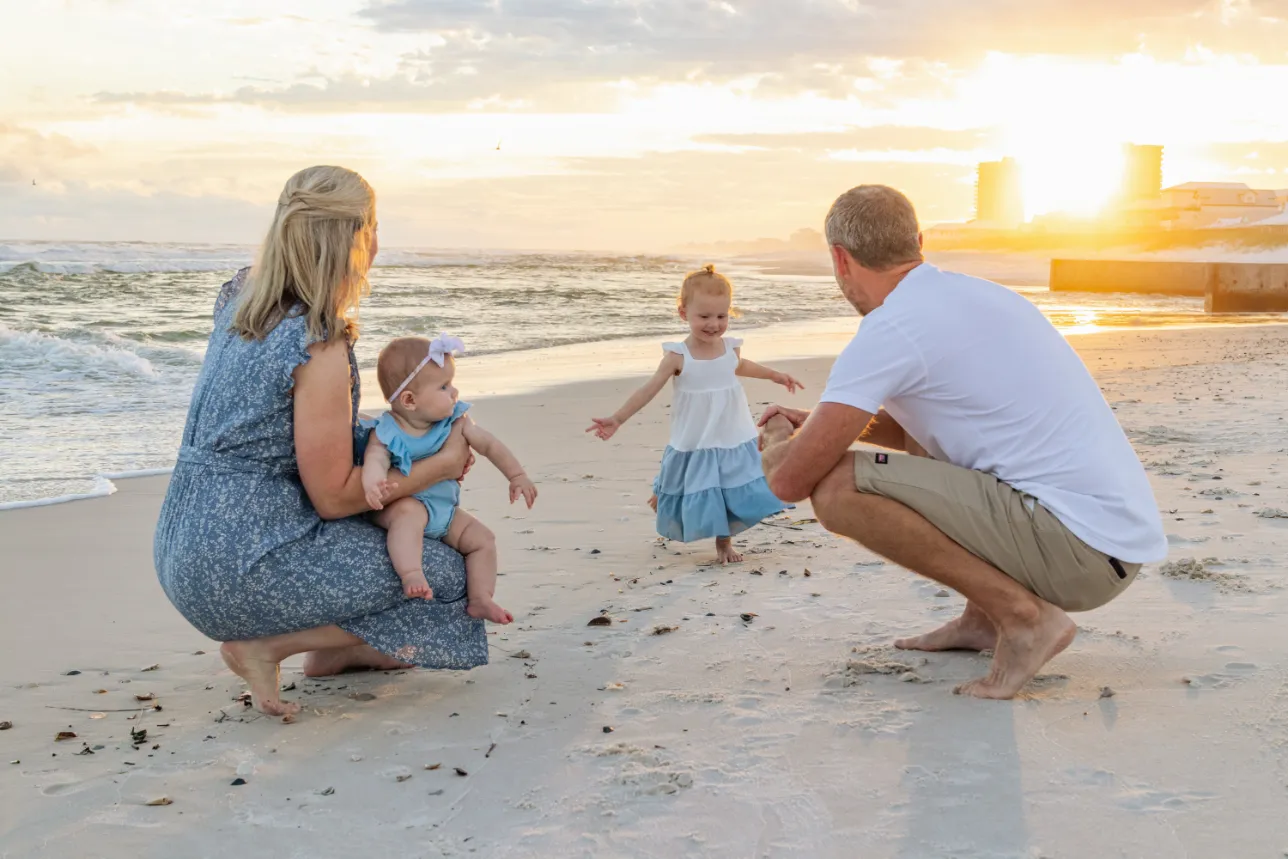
[(1137, 276), (1245, 287), (1227, 287)]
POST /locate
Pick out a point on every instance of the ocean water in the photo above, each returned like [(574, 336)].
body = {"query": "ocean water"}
[(100, 342)]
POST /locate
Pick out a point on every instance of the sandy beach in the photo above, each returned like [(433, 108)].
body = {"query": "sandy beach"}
[(756, 710)]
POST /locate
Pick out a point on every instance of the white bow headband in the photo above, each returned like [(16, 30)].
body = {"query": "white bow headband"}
[(439, 348)]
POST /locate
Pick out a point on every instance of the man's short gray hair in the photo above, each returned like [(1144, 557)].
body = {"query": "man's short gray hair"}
[(877, 225)]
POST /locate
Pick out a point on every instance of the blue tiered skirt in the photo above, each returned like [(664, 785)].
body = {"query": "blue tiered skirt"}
[(712, 492)]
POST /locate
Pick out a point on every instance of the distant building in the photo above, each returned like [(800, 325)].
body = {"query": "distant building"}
[(999, 200), (1142, 173), (1196, 205)]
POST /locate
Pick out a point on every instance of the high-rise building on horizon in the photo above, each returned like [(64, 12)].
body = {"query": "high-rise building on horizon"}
[(1142, 173), (999, 199)]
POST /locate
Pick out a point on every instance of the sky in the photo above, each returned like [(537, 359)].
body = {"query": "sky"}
[(614, 124)]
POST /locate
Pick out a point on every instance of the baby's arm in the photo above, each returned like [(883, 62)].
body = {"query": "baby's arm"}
[(752, 370), (605, 427), (504, 459), (375, 473)]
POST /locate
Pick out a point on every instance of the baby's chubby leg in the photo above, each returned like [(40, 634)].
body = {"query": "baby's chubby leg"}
[(477, 543), (405, 520)]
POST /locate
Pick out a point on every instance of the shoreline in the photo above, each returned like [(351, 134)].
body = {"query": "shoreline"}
[(533, 371), (770, 716)]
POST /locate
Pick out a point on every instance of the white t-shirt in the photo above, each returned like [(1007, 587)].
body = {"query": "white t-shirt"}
[(982, 380)]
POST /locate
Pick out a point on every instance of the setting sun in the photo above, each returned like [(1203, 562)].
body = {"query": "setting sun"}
[(1069, 175)]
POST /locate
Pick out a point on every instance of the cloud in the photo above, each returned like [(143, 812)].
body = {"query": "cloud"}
[(657, 201), (28, 154), (876, 138), (720, 39), (582, 56), (80, 211)]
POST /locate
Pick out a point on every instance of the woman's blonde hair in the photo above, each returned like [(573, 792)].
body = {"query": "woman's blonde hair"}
[(316, 254), (705, 280)]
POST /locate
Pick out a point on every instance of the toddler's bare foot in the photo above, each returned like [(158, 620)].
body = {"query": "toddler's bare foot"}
[(250, 661), (652, 502), (725, 552), (415, 586), (488, 610)]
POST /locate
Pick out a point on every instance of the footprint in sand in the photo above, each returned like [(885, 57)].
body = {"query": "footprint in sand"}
[(1149, 800), (1232, 673)]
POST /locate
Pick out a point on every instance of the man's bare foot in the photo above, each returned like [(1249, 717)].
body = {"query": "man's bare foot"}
[(1021, 653), (488, 610), (415, 586), (652, 502), (725, 552), (252, 662), (337, 660), (972, 631)]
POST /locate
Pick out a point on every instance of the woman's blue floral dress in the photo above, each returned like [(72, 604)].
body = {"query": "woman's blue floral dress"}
[(241, 552)]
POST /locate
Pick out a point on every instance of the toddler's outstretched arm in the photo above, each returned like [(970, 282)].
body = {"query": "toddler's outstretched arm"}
[(376, 484), (606, 427), (505, 461), (752, 370)]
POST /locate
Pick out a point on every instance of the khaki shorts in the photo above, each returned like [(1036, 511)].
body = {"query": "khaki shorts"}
[(999, 524)]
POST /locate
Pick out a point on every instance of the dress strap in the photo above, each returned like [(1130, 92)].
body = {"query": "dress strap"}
[(677, 348), (733, 342)]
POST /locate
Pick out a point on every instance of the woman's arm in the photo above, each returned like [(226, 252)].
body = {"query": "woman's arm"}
[(752, 370), (324, 440), (606, 427)]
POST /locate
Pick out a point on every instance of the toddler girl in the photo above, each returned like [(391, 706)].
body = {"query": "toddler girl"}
[(416, 378), (711, 483)]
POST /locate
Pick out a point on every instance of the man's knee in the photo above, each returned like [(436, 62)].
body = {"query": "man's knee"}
[(834, 493)]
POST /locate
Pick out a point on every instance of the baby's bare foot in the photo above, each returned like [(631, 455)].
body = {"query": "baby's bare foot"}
[(725, 552), (652, 502), (488, 610), (415, 586)]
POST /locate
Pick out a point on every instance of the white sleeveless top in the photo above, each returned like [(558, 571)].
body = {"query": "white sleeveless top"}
[(709, 408)]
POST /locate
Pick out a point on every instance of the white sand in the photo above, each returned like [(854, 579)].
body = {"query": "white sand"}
[(798, 733)]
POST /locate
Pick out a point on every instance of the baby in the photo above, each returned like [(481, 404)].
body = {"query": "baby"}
[(416, 378)]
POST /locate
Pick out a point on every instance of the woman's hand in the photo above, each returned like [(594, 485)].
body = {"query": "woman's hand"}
[(789, 382), (604, 428)]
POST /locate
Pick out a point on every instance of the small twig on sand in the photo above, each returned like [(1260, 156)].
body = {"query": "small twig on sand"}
[(97, 710)]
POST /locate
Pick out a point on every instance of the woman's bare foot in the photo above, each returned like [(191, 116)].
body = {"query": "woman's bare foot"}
[(972, 631), (1021, 653), (725, 552), (252, 662), (415, 586), (488, 610), (337, 660)]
